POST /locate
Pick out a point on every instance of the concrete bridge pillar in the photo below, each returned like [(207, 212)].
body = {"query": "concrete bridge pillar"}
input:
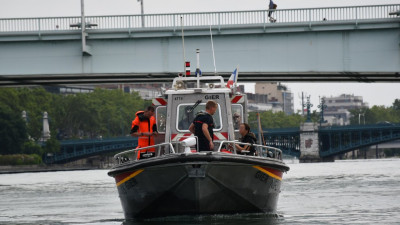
[(309, 144)]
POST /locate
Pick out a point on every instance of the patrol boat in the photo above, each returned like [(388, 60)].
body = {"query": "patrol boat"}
[(179, 180)]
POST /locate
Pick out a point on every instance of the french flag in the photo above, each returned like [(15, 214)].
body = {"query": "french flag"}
[(232, 79)]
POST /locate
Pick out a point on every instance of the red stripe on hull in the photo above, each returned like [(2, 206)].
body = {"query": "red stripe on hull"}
[(122, 176), (273, 171)]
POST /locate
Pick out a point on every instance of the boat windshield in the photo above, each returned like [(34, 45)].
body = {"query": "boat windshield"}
[(161, 117), (237, 118), (185, 117)]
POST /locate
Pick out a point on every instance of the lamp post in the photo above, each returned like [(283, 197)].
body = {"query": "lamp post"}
[(322, 106), (359, 118), (142, 11), (308, 105), (83, 25)]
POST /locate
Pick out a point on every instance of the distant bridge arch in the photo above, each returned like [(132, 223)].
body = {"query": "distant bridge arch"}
[(72, 150), (333, 141)]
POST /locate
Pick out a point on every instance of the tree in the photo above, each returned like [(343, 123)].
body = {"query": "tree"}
[(376, 114), (102, 112), (12, 131), (396, 109), (271, 120), (52, 146), (31, 147), (35, 101), (396, 104)]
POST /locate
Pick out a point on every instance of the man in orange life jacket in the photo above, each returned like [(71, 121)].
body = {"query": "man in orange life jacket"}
[(144, 126)]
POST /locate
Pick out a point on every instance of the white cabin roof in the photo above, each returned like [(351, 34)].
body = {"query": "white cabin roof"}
[(204, 84)]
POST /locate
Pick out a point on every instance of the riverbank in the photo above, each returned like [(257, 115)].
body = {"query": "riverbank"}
[(91, 163), (44, 168)]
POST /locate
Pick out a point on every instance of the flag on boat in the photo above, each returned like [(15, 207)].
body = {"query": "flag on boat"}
[(232, 79)]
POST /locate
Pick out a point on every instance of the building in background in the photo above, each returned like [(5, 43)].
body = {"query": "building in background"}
[(146, 91), (271, 96), (338, 108), (69, 89)]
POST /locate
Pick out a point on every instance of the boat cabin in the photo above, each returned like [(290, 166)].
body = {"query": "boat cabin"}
[(178, 107)]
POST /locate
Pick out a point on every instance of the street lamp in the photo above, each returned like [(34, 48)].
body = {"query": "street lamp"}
[(322, 106), (308, 105), (359, 118), (142, 11)]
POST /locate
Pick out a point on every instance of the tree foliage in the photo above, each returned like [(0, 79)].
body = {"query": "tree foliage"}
[(12, 131), (376, 114), (84, 115), (270, 120), (20, 159)]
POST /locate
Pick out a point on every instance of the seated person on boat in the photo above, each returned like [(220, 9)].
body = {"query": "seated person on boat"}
[(247, 137)]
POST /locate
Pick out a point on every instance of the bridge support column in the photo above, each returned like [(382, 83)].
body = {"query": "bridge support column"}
[(309, 144)]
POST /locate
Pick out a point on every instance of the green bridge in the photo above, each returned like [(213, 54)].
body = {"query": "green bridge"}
[(331, 141)]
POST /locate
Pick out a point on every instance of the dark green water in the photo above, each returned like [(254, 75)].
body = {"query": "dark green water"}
[(344, 192)]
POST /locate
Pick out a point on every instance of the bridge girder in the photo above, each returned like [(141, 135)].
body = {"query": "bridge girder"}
[(80, 149), (339, 140), (118, 78)]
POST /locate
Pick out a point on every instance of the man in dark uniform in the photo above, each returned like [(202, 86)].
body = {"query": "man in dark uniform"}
[(203, 125)]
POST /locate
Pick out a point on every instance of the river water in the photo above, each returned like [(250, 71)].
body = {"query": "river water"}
[(343, 192)]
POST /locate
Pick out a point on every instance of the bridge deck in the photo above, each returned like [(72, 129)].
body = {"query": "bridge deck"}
[(133, 23), (49, 50)]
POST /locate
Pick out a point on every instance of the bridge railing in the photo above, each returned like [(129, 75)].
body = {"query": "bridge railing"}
[(358, 127), (201, 19)]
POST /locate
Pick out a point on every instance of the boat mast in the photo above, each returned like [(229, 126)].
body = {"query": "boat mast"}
[(183, 47), (198, 72), (212, 48)]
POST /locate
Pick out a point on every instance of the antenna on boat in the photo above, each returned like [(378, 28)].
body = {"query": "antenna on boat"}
[(212, 48), (183, 46), (198, 71)]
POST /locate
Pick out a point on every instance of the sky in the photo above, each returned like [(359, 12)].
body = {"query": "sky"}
[(372, 93)]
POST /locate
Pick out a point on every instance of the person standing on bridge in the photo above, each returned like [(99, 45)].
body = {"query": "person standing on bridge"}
[(203, 125), (272, 6), (144, 126)]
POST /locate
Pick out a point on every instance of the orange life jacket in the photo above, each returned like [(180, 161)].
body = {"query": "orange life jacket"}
[(144, 126)]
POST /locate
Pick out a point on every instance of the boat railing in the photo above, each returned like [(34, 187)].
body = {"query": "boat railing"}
[(223, 146), (261, 150), (132, 155)]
